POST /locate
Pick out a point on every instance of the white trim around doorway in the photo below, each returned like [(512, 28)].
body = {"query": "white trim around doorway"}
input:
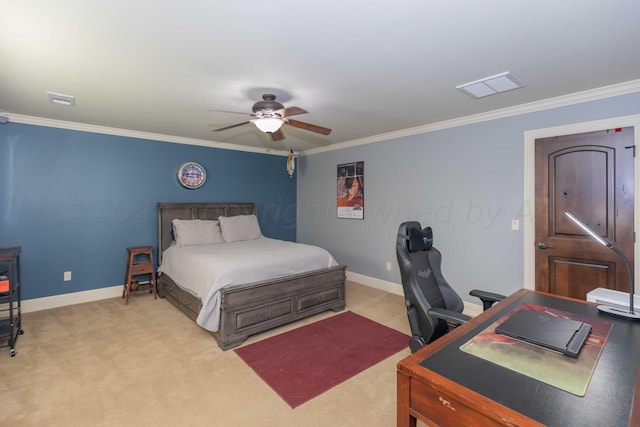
[(529, 182)]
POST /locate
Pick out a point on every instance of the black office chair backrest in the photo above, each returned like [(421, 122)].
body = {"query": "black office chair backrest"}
[(423, 284)]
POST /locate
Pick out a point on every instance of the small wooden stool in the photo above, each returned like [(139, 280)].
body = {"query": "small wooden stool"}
[(143, 265)]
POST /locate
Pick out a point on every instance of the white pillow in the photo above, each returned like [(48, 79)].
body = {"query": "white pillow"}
[(239, 227), (196, 232)]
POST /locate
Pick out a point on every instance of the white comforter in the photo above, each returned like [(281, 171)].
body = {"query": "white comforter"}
[(205, 269)]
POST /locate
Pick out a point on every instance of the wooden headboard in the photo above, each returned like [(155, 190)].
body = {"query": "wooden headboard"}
[(167, 212)]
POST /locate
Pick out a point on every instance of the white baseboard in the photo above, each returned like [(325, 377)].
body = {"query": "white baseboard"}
[(62, 300), (383, 285), (470, 309)]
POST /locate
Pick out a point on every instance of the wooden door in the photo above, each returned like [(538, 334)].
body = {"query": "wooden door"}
[(592, 175)]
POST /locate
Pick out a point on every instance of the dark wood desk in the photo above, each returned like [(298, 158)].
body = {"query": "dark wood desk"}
[(444, 386)]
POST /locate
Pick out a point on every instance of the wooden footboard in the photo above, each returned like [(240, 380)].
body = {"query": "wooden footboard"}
[(253, 308)]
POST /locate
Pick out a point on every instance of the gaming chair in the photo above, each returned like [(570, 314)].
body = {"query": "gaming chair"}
[(433, 307)]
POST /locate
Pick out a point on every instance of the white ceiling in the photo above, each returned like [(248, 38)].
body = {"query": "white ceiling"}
[(362, 68)]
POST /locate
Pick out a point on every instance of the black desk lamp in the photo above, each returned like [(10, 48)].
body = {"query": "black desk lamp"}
[(613, 311)]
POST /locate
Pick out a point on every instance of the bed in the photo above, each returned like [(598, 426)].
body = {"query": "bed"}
[(245, 308)]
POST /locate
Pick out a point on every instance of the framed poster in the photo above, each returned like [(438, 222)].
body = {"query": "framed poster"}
[(351, 190)]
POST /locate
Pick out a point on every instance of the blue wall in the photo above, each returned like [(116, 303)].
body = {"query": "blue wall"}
[(76, 200)]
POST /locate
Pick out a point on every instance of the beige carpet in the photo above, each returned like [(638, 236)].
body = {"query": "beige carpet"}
[(146, 364)]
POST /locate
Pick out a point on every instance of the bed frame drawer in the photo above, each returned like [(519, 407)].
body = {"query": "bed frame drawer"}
[(264, 314), (188, 303), (326, 296), (191, 302), (168, 288)]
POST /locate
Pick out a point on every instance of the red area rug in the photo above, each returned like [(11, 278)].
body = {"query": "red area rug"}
[(305, 362)]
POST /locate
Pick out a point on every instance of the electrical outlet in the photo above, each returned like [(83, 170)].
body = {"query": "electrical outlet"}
[(388, 266), (67, 276)]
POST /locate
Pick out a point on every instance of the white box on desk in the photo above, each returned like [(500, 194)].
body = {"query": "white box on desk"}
[(613, 298)]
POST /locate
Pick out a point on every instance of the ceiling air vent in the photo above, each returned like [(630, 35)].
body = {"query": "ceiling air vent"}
[(490, 85), (58, 98)]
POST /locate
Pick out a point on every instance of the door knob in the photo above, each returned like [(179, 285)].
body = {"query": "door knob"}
[(544, 246)]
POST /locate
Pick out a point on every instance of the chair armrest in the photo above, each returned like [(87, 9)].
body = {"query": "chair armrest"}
[(448, 316), (487, 298)]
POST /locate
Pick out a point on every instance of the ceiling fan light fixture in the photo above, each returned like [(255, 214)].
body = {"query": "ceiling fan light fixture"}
[(268, 124)]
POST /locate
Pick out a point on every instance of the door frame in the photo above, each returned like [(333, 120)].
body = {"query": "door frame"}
[(528, 207)]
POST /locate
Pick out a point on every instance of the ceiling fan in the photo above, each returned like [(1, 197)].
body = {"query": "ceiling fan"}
[(270, 115)]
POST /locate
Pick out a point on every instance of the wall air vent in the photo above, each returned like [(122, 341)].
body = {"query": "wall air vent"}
[(490, 85), (58, 98)]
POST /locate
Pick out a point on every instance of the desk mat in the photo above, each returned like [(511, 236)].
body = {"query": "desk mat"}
[(566, 373)]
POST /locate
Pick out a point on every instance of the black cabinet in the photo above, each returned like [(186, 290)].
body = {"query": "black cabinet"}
[(10, 310)]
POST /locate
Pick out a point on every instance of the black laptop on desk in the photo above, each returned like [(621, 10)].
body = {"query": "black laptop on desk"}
[(555, 333)]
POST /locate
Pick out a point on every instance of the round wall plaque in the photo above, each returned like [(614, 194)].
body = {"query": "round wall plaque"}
[(191, 175)]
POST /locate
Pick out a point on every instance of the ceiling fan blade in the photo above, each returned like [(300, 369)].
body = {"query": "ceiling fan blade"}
[(229, 111), (277, 135), (308, 126), (291, 111), (231, 126)]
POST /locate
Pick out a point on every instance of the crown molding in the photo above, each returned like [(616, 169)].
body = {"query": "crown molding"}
[(545, 104), (60, 124)]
